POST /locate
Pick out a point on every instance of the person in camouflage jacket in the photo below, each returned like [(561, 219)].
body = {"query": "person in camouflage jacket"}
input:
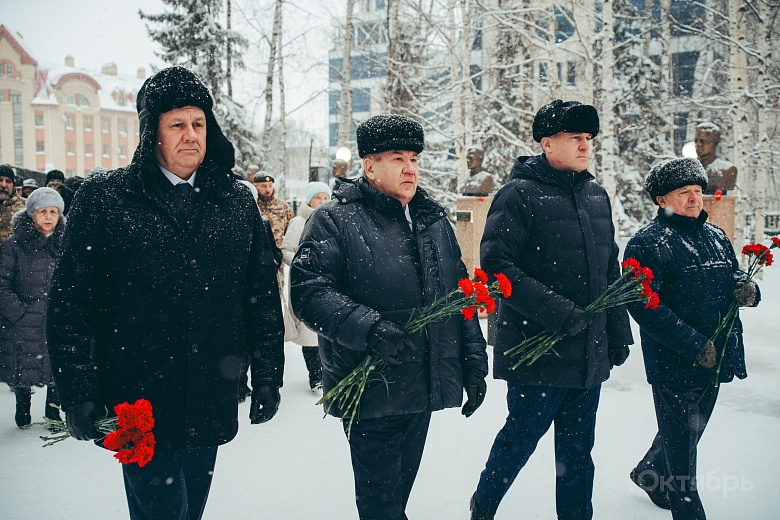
[(278, 212), (10, 201)]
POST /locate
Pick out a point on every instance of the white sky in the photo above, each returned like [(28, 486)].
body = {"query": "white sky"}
[(96, 32)]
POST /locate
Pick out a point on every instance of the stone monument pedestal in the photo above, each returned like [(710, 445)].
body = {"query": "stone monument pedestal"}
[(721, 213), (469, 225)]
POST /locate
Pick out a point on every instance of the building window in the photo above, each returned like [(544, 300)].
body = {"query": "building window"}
[(78, 100), (16, 102), (87, 124), (6, 69), (39, 147), (88, 149), (69, 122), (680, 130), (543, 71), (476, 76), (334, 134), (39, 120), (70, 173), (683, 70), (69, 148), (122, 128), (122, 151), (104, 125), (571, 74), (334, 98), (106, 151), (84, 102), (72, 99), (361, 100)]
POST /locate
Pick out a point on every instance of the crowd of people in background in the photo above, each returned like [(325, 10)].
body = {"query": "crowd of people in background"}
[(165, 280)]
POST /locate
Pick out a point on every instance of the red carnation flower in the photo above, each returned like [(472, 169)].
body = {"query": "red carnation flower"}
[(482, 292), (490, 305), (466, 286), (653, 302), (479, 273), (468, 313), (630, 262), (503, 285), (775, 243)]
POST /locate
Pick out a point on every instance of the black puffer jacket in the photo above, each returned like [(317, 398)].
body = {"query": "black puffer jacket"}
[(358, 260), (159, 297), (695, 271), (26, 266), (550, 232)]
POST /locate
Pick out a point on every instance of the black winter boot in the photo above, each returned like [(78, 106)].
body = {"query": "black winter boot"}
[(52, 411), (23, 406), (477, 513), (311, 355), (656, 494)]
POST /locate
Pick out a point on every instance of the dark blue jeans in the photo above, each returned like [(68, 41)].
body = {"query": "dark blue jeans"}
[(682, 413), (386, 454), (532, 409), (174, 485)]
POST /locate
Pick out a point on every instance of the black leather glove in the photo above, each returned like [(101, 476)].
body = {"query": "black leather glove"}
[(707, 355), (265, 403), (618, 355), (476, 388), (746, 294), (387, 340), (577, 321), (80, 420)]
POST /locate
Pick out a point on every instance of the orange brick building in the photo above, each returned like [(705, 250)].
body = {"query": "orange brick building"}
[(62, 117)]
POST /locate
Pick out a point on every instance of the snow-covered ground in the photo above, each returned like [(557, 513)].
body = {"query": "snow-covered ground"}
[(297, 466)]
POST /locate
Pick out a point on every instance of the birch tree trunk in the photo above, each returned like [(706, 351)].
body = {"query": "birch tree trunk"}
[(282, 108), (665, 88), (468, 88), (456, 88), (229, 75), (763, 137), (607, 117), (738, 73), (345, 107), (269, 84), (392, 43)]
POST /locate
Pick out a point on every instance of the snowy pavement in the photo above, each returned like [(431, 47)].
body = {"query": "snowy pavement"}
[(297, 466)]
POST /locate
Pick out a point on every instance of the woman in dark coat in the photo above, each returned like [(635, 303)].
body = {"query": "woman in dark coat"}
[(26, 265)]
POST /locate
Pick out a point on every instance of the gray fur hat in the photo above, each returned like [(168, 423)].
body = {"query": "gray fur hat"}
[(43, 198), (671, 174), (389, 132)]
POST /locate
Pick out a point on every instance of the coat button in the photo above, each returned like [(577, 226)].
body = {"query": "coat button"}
[(193, 263), (194, 348)]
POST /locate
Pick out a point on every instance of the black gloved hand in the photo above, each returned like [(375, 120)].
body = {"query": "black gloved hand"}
[(618, 355), (387, 340), (265, 403), (476, 388), (81, 418), (746, 294), (577, 321), (707, 355)]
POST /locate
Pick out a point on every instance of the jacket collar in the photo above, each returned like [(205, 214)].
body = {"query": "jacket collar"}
[(537, 168), (693, 224), (423, 208)]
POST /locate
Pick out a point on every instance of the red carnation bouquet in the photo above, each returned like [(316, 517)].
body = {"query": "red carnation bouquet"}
[(129, 433), (632, 286), (470, 298), (758, 256)]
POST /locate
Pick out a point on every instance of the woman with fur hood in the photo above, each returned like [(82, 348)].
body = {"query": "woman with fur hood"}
[(26, 265)]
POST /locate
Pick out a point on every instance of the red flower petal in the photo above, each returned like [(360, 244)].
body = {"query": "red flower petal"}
[(479, 273)]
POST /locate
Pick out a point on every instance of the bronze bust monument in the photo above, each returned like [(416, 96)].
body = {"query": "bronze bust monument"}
[(339, 168), (480, 183), (721, 174)]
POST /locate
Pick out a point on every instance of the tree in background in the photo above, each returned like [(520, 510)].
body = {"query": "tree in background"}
[(192, 36)]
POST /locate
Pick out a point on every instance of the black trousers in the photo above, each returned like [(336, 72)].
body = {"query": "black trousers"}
[(682, 413), (386, 454), (532, 410), (174, 485)]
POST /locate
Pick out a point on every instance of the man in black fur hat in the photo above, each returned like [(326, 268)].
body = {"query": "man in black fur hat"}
[(380, 250), (549, 230), (165, 281), (697, 277)]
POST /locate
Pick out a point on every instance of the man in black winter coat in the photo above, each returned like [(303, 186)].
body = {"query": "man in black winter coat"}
[(696, 275), (165, 280), (378, 251), (549, 230)]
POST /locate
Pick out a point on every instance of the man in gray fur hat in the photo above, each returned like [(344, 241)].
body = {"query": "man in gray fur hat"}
[(165, 281), (697, 277)]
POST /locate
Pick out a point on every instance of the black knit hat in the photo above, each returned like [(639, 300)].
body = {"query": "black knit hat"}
[(55, 175), (389, 132), (7, 171), (671, 174), (565, 116)]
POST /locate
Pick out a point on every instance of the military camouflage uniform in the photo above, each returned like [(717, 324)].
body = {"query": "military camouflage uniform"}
[(7, 209), (279, 214)]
